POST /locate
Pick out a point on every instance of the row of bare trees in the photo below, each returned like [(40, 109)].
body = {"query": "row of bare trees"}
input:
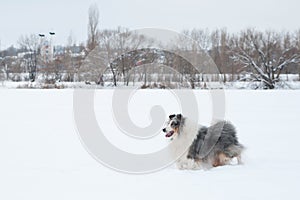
[(260, 56)]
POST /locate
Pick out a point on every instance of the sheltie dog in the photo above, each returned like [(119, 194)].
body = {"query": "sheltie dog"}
[(200, 146)]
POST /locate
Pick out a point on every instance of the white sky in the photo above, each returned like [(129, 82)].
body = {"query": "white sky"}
[(65, 16)]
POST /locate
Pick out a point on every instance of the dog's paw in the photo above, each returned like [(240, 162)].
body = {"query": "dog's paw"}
[(188, 164)]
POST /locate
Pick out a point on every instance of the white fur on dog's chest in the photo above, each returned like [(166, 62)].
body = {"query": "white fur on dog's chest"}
[(181, 144)]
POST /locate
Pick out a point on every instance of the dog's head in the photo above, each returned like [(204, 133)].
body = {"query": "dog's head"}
[(173, 125)]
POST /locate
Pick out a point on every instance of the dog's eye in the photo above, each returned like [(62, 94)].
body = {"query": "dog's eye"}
[(174, 123)]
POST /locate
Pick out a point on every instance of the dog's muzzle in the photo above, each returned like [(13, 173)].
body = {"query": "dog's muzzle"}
[(169, 134)]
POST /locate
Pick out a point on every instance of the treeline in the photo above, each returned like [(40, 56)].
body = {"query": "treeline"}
[(111, 55), (253, 55)]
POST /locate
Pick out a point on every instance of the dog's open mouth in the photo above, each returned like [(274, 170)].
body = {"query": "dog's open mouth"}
[(170, 133)]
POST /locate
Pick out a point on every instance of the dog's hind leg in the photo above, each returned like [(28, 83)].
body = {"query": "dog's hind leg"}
[(220, 160)]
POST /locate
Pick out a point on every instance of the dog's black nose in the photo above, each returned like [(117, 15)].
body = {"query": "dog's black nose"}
[(164, 130)]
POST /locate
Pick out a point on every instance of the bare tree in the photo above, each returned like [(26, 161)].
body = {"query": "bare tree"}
[(93, 32), (31, 44), (116, 43), (265, 55), (126, 41), (70, 60), (193, 46), (297, 43), (5, 63), (202, 38), (220, 52)]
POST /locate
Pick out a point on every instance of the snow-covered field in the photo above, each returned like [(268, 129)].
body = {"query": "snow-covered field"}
[(42, 156), (290, 83)]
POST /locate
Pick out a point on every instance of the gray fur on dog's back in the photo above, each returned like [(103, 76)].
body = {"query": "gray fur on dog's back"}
[(218, 138)]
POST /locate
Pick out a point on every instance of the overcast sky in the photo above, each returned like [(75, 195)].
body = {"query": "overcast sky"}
[(65, 16)]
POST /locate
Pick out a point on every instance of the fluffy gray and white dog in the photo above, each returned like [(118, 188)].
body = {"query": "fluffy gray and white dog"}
[(200, 146)]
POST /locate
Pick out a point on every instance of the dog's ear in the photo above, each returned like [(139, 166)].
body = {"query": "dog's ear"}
[(179, 116), (172, 116)]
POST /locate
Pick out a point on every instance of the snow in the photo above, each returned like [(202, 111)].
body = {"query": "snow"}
[(285, 85), (42, 157)]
